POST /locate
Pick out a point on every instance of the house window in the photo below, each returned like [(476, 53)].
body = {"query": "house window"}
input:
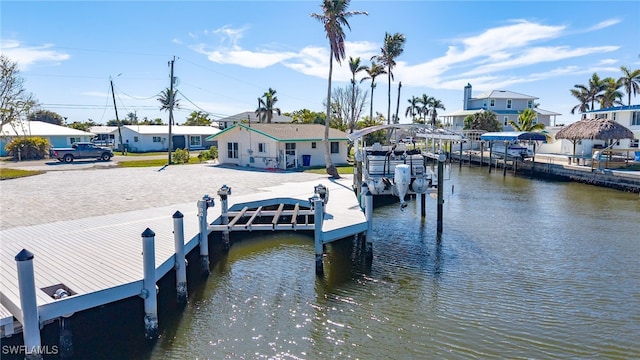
[(74, 140), (530, 104), (195, 141), (492, 102), (157, 139), (335, 147), (232, 150), (313, 145), (634, 143), (135, 139), (635, 118), (614, 116), (262, 147), (290, 148), (506, 120), (484, 103), (509, 102)]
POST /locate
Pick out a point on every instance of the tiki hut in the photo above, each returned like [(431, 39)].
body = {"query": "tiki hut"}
[(594, 129)]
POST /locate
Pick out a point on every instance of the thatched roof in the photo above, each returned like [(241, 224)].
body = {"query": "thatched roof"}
[(595, 129)]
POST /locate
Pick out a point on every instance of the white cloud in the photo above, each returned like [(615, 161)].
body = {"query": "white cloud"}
[(604, 24), (26, 56)]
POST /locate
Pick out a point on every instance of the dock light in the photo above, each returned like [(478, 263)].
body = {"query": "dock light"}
[(322, 191), (224, 191)]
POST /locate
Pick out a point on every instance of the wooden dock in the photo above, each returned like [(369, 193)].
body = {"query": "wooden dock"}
[(98, 260)]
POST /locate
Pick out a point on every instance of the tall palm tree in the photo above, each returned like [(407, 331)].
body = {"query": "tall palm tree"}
[(631, 82), (373, 71), (527, 121), (393, 47), (413, 109), (266, 106), (334, 16), (434, 105), (425, 100), (611, 95), (596, 85), (582, 94), (355, 67)]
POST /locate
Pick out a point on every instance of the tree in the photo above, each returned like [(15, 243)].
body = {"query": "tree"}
[(582, 94), (334, 16), (342, 102), (527, 121), (133, 118), (393, 47), (425, 100), (355, 67), (376, 136), (306, 116), (434, 105), (266, 106), (413, 109), (46, 116), (611, 94), (15, 102), (373, 71), (483, 120), (631, 82), (82, 126), (198, 118)]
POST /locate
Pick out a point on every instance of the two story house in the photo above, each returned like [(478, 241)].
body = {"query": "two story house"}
[(507, 105), (627, 116)]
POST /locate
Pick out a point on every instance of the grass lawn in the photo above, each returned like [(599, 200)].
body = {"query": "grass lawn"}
[(341, 170), (153, 162), (6, 173)]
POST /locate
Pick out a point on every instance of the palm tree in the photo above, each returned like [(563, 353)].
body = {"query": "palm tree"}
[(582, 94), (334, 16), (527, 121), (425, 100), (393, 47), (413, 109), (355, 67), (374, 70), (596, 85), (266, 106), (434, 105), (631, 82), (611, 95)]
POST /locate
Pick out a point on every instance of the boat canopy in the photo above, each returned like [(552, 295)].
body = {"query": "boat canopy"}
[(420, 130), (512, 136)]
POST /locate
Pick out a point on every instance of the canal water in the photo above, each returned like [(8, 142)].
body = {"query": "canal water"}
[(524, 269)]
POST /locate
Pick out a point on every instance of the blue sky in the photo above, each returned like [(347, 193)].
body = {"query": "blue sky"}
[(229, 53)]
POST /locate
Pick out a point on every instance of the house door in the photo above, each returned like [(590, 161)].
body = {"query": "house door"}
[(290, 155), (177, 142)]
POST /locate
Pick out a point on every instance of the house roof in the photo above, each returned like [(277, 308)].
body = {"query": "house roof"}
[(251, 115), (499, 112), (504, 94), (175, 130), (616, 108), (545, 112), (101, 129), (288, 132), (40, 128)]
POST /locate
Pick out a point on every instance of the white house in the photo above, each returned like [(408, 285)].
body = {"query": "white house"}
[(507, 105), (145, 138), (279, 146), (249, 116), (58, 136), (627, 116)]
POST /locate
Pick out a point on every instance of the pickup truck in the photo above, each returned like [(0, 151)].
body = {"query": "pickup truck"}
[(81, 150)]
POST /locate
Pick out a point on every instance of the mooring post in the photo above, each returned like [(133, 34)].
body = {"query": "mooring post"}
[(318, 214), (504, 164), (368, 212), (28, 304), (423, 204), (441, 161), (148, 292), (460, 165), (224, 193), (490, 155), (204, 233), (481, 153), (180, 264)]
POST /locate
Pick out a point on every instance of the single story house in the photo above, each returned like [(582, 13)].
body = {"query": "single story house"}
[(58, 136), (507, 105), (279, 146), (145, 138), (251, 117)]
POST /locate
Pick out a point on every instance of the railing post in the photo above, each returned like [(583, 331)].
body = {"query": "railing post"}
[(180, 262), (28, 304), (149, 293)]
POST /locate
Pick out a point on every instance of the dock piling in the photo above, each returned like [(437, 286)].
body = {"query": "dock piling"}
[(180, 261), (149, 293), (368, 212), (28, 304), (318, 208), (441, 161), (203, 205), (224, 193)]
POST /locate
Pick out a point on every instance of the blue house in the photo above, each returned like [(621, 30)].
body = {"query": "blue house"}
[(507, 105), (58, 136)]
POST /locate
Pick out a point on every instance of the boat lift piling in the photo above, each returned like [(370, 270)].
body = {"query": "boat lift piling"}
[(180, 265), (224, 193), (149, 290), (203, 205), (30, 318)]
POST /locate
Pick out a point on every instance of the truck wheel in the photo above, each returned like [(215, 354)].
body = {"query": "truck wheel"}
[(68, 159), (105, 157)]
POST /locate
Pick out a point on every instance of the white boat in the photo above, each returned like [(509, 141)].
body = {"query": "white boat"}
[(517, 143), (514, 150)]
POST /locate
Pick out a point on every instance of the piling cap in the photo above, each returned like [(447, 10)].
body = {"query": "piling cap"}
[(148, 233), (24, 255), (177, 215)]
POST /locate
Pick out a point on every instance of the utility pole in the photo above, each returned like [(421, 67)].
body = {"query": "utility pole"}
[(117, 120), (171, 102)]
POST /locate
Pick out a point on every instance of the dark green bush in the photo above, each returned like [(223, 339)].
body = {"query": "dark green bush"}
[(180, 156), (210, 154), (28, 148)]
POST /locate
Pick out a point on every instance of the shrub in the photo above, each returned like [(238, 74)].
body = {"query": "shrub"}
[(210, 154), (30, 148), (180, 156)]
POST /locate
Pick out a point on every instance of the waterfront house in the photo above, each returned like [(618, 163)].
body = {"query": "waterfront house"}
[(507, 105), (278, 146), (58, 136), (628, 116), (250, 116), (145, 138)]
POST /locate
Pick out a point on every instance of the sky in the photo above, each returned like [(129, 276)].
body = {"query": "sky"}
[(227, 54)]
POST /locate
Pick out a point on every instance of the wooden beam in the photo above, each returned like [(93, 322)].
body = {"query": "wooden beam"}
[(276, 216), (253, 217), (294, 216), (237, 217)]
